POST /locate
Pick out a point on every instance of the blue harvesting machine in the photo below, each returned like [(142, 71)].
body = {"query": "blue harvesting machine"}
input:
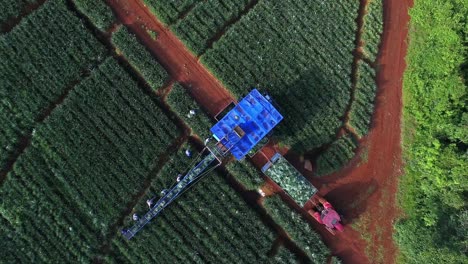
[(237, 133)]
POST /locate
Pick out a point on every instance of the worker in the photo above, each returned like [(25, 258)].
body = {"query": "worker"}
[(191, 113), (206, 141), (325, 214), (135, 217), (149, 202), (188, 153), (179, 177)]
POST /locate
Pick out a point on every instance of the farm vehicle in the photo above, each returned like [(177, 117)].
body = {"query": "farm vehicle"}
[(324, 213), (236, 134)]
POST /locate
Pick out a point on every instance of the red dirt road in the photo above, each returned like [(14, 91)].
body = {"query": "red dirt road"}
[(181, 65), (364, 191)]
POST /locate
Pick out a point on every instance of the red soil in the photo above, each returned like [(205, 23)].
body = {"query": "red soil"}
[(366, 190), (363, 190), (181, 65)]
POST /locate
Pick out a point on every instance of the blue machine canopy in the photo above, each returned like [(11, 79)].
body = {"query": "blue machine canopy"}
[(246, 124)]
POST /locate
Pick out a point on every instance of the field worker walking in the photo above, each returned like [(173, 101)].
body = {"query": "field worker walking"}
[(191, 113)]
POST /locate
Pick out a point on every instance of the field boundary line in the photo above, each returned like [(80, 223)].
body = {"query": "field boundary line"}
[(355, 66), (11, 22), (161, 160), (185, 13), (227, 25), (253, 201), (25, 140)]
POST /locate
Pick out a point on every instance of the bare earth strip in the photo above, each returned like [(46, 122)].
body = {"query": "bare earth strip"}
[(182, 65)]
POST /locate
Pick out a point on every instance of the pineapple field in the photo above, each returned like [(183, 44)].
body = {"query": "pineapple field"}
[(96, 110)]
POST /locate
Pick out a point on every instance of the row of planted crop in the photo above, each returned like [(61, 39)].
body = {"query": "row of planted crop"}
[(362, 107), (315, 121), (298, 229), (206, 21), (182, 104), (372, 29), (35, 205), (338, 154), (13, 9), (139, 57), (246, 174), (85, 162), (38, 65), (170, 11), (212, 217), (100, 128), (98, 12), (281, 57), (224, 230)]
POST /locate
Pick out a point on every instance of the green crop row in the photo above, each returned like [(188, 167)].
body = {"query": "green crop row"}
[(246, 174), (208, 223), (362, 107), (98, 12), (205, 21), (42, 57), (139, 57), (181, 103), (169, 11), (372, 28), (13, 8), (304, 61), (338, 154), (298, 229), (285, 256), (335, 260), (85, 162)]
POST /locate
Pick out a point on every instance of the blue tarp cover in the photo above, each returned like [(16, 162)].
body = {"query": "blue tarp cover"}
[(255, 115)]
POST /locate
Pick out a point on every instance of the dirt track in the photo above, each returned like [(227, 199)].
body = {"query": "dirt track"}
[(363, 191), (181, 65)]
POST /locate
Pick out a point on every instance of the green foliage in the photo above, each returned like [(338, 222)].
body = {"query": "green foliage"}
[(298, 229), (13, 8), (362, 106), (433, 189), (181, 102), (335, 260), (210, 223), (338, 154), (205, 21), (42, 57), (372, 28), (291, 181), (285, 256), (139, 57), (153, 34), (306, 69), (85, 163), (169, 11), (98, 12), (246, 174)]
